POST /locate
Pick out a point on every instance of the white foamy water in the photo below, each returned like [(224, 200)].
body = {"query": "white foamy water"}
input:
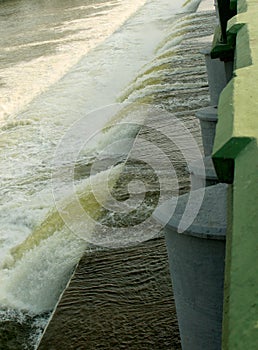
[(36, 271), (63, 64)]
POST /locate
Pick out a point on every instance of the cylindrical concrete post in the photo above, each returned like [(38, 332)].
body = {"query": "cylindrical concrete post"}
[(217, 78), (208, 119), (199, 178), (196, 260)]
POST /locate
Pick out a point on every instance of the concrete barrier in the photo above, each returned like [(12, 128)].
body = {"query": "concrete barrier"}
[(235, 157)]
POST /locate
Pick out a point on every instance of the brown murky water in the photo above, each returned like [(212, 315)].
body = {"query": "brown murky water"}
[(118, 299), (121, 298)]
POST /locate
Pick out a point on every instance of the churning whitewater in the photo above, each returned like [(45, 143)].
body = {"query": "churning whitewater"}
[(68, 63), (30, 137)]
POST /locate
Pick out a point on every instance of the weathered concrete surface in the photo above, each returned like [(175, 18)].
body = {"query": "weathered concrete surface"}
[(196, 259), (208, 119), (198, 177), (236, 161), (216, 76), (117, 299)]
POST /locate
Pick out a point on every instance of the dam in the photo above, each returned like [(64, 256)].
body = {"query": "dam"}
[(94, 147), (38, 250)]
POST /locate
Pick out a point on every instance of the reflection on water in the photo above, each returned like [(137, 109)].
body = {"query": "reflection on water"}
[(37, 39), (36, 28)]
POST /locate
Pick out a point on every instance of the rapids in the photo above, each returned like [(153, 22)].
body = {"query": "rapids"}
[(62, 150)]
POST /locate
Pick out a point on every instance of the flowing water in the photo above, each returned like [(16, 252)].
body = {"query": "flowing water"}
[(83, 84)]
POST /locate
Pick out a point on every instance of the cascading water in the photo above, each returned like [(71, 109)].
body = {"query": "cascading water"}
[(38, 250)]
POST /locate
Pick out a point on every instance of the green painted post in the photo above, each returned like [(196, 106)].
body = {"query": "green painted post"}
[(235, 155)]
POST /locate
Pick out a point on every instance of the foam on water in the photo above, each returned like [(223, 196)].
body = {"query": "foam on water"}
[(165, 89), (39, 251), (29, 138), (184, 29), (36, 271)]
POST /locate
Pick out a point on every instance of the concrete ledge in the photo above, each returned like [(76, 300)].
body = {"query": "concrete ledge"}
[(238, 105), (235, 156)]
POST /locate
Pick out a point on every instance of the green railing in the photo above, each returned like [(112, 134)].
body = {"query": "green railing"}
[(235, 156)]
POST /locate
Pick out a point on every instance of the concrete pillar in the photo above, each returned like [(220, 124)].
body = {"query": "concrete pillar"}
[(219, 74), (208, 119), (196, 260), (199, 178)]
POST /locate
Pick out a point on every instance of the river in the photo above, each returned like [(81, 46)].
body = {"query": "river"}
[(92, 71)]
